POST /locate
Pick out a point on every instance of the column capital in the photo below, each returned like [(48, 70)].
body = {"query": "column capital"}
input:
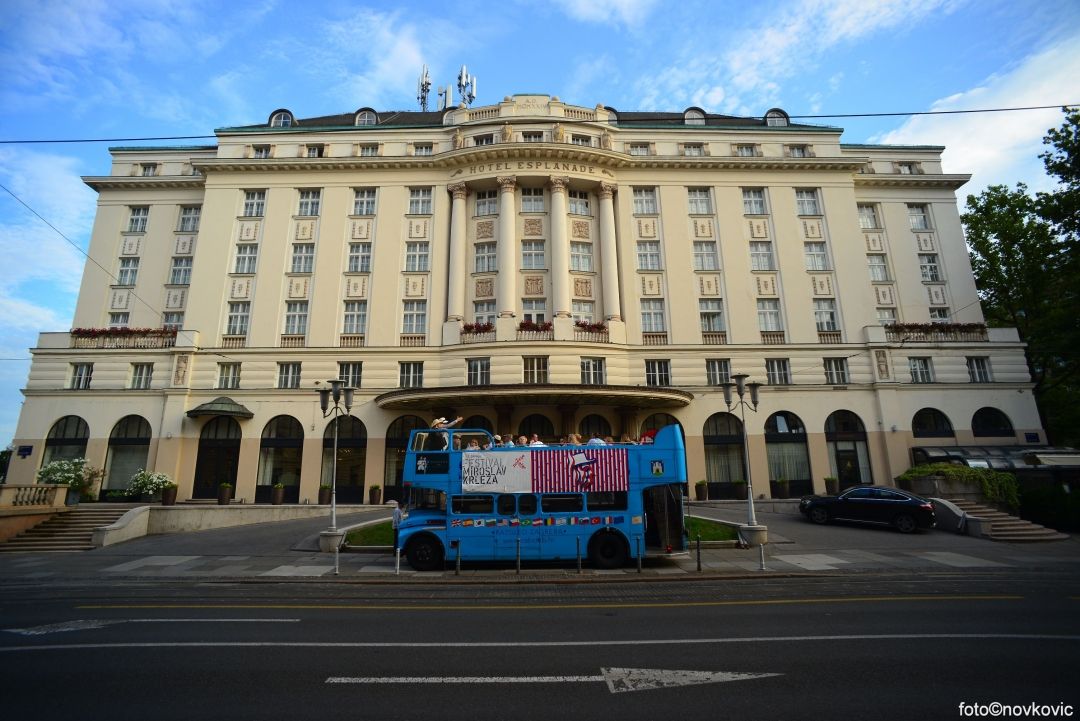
[(607, 190), (458, 190), (507, 183), (558, 183)]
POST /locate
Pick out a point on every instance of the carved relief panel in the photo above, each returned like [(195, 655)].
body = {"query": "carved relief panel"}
[(703, 228), (356, 286), (534, 285), (175, 299), (415, 286), (579, 229), (937, 294), (120, 300), (305, 229), (886, 294), (875, 242), (766, 284), (924, 241), (131, 245), (646, 227), (298, 288), (185, 244), (485, 287), (418, 228), (240, 289), (652, 285), (881, 362), (360, 229), (759, 228), (485, 229), (180, 370), (583, 287), (534, 227), (249, 230), (709, 284), (812, 229), (823, 284)]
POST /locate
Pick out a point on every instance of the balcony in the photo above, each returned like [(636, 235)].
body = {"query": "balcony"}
[(937, 333), (654, 339), (830, 336), (714, 337), (773, 337), (351, 340), (482, 337), (588, 336), (411, 340), (233, 341), (122, 338), (293, 341), (535, 335)]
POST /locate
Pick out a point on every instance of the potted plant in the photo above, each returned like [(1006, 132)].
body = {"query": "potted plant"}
[(325, 491), (277, 494), (701, 490), (72, 473), (168, 495), (224, 493), (832, 485), (146, 485), (375, 495), (739, 485), (783, 487)]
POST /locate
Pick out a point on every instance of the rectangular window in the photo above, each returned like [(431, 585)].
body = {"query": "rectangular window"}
[(486, 260), (355, 319), (717, 371), (978, 369), (918, 217), (419, 201), (583, 140), (561, 503), (309, 202), (825, 314), (928, 267), (142, 375), (369, 150), (532, 136), (364, 201), (652, 316), (657, 372), (693, 150), (172, 320), (137, 221), (484, 311), (712, 314), (303, 257), (639, 148), (189, 219), (816, 256), (81, 375), (149, 169), (579, 202), (246, 256), (836, 372), (351, 373), (534, 309), (296, 315), (700, 201), (868, 217), (487, 202), (753, 201), (745, 150), (761, 255), (777, 371), (922, 371), (180, 274), (359, 257), (411, 374), (535, 369), (487, 139), (532, 200), (798, 151), (478, 371), (940, 315), (648, 255), (414, 317), (129, 271), (705, 257), (581, 256), (532, 254), (416, 255), (768, 314), (592, 372), (806, 202), (288, 375), (237, 319), (886, 316), (261, 151), (907, 168), (228, 375), (314, 151), (645, 201), (423, 149), (254, 203), (119, 320), (582, 310), (879, 269)]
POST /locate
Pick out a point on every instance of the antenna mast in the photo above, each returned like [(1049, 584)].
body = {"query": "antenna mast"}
[(423, 87)]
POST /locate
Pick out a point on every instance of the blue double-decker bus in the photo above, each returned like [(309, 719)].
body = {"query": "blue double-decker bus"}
[(607, 503)]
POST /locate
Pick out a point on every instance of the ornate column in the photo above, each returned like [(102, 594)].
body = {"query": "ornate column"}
[(560, 250), (508, 250), (455, 301), (609, 270)]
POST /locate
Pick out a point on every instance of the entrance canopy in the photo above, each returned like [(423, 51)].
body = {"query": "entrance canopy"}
[(535, 394), (221, 406)]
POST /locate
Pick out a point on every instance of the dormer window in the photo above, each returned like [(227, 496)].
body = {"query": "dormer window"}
[(281, 119), (314, 151), (693, 116), (777, 118), (366, 117), (148, 169)]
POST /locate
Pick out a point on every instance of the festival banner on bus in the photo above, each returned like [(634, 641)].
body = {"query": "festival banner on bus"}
[(549, 471)]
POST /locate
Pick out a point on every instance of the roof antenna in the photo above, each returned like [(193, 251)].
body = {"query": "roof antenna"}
[(423, 87), (466, 85)]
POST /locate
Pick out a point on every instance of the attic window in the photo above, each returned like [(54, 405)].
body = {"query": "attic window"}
[(281, 119), (366, 117), (776, 118), (694, 117)]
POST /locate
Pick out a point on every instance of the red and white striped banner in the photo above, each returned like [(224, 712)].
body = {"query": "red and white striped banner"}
[(579, 470)]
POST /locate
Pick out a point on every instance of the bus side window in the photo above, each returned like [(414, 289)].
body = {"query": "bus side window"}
[(527, 504), (561, 502), (506, 505), (472, 504)]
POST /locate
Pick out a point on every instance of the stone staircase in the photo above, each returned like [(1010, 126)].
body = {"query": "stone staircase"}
[(69, 531), (1003, 527)]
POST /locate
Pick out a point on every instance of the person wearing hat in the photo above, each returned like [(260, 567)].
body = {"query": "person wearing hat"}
[(443, 423)]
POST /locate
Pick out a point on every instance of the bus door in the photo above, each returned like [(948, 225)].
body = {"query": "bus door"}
[(471, 526), (519, 520), (663, 518)]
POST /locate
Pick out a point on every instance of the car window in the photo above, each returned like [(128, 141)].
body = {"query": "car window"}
[(860, 493), (892, 496)]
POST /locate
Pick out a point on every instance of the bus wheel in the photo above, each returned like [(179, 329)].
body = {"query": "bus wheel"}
[(424, 554), (607, 550)]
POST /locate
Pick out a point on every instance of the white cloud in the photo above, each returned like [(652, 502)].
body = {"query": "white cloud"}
[(1001, 147), (631, 13)]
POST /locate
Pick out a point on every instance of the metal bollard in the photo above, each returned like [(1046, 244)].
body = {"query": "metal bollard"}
[(578, 541), (699, 553), (637, 543), (457, 565), (397, 561), (517, 543)]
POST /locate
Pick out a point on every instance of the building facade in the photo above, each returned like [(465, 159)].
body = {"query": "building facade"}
[(533, 267)]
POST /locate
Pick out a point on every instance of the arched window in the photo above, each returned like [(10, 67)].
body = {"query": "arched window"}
[(594, 424), (280, 453), (281, 119), (657, 421), (478, 422), (366, 117), (724, 457), (990, 422), (789, 458), (777, 118), (694, 116), (931, 423), (397, 438), (849, 456), (351, 458), (129, 448), (538, 424), (66, 440)]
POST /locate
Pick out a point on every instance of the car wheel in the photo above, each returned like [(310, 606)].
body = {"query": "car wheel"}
[(818, 515), (607, 550), (904, 523), (424, 554)]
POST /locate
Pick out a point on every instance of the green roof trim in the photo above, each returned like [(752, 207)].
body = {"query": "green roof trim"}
[(145, 148), (868, 146)]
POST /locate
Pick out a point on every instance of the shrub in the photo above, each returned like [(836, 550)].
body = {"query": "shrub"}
[(144, 482), (73, 473), (997, 486)]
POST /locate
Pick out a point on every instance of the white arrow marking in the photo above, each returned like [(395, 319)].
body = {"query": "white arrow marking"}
[(618, 680), (85, 625)]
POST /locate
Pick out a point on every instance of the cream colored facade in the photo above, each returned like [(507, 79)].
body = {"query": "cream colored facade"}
[(706, 245)]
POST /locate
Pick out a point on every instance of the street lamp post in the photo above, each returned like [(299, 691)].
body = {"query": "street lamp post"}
[(340, 395), (740, 386)]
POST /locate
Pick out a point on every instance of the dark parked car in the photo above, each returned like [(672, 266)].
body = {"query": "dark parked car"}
[(871, 504)]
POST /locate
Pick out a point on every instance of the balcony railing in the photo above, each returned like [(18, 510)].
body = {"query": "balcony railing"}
[(588, 336), (829, 336), (654, 338), (773, 337), (717, 337), (412, 341), (532, 335), (134, 340), (485, 337), (936, 336), (233, 341), (293, 341), (351, 340)]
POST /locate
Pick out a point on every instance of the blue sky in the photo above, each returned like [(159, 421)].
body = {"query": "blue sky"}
[(119, 69)]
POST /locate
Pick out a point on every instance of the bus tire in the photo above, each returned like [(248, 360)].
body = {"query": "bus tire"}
[(424, 553), (607, 549)]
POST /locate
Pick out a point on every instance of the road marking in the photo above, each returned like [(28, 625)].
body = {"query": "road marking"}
[(553, 644), (618, 680), (812, 561), (298, 571), (150, 561), (959, 560), (92, 624)]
